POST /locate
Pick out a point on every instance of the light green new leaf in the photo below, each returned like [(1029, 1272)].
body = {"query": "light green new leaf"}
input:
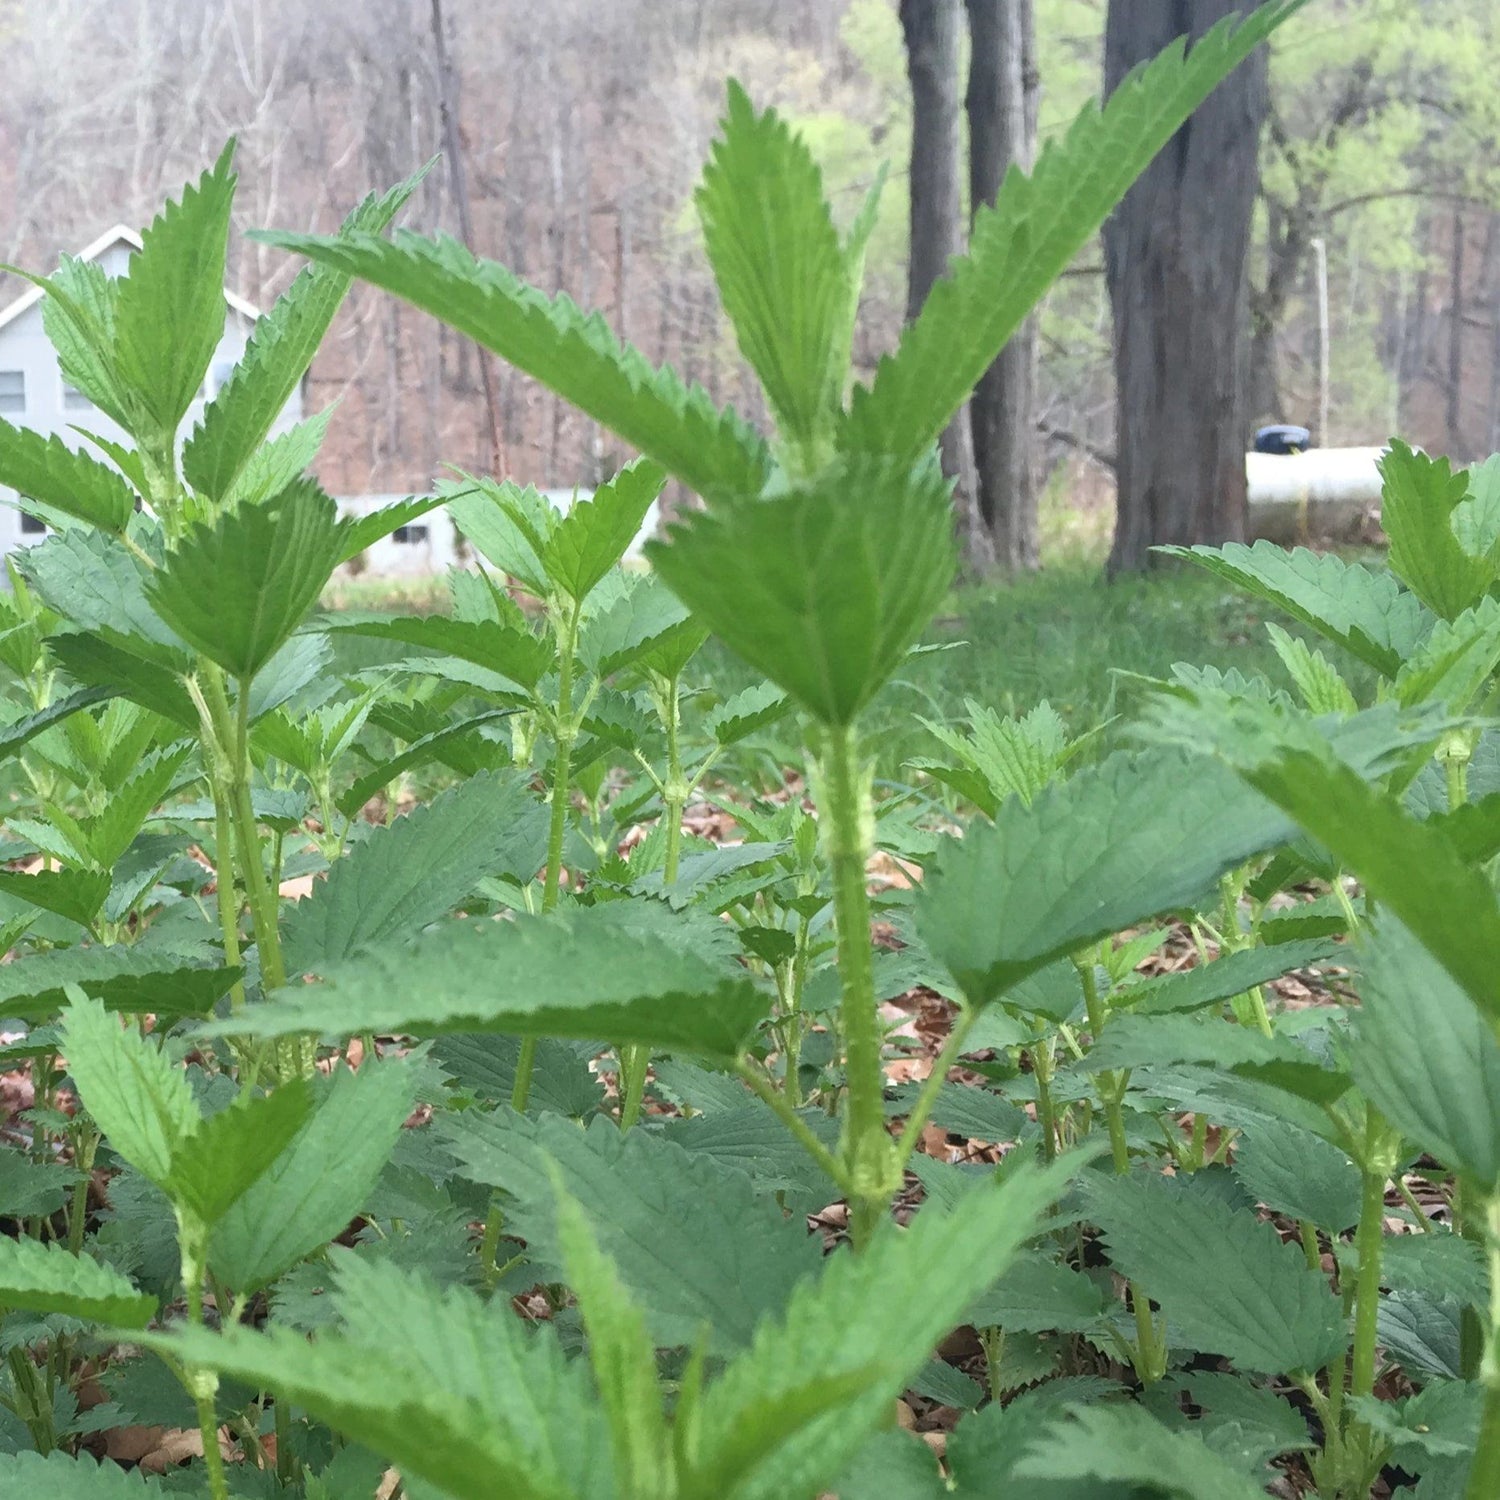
[(74, 894), (1225, 1281), (1035, 228), (454, 1390), (97, 583), (1368, 613), (135, 980), (237, 587), (766, 1429), (415, 870), (47, 1279), (137, 1095), (1295, 1172), (278, 463), (217, 1164), (596, 532), (125, 666), (621, 1354), (281, 347), (1418, 498), (1455, 661), (1316, 678), (578, 973), (782, 273), (1122, 1444), (308, 1195), (29, 1476), (822, 589), (509, 525), (1411, 867), (19, 732), (1138, 835), (78, 315), (644, 626), (738, 1265), (458, 744), (503, 649), (169, 307), (550, 339), (46, 469), (1424, 1055)]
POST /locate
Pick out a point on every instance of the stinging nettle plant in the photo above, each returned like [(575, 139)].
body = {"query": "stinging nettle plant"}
[(503, 935)]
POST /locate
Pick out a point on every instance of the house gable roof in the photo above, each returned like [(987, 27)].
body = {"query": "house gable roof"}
[(121, 234)]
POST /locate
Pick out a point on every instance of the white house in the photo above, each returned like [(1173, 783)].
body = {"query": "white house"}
[(34, 394)]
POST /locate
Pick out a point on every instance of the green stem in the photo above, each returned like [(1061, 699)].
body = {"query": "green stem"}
[(794, 1122), (927, 1100), (88, 1144), (1369, 1241), (848, 828), (1046, 1111), (202, 1384), (1484, 1477), (557, 830), (634, 1061)]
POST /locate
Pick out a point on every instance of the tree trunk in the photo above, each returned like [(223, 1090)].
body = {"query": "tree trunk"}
[(1453, 406), (1001, 103), (931, 32), (1175, 256)]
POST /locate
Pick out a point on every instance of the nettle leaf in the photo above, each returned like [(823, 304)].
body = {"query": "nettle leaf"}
[(738, 1265), (1224, 1279), (30, 1476), (750, 1137), (508, 523), (217, 1164), (1294, 1172), (772, 1425), (550, 339), (746, 713), (415, 870), (823, 588), (135, 980), (484, 1068), (781, 271), (1122, 1444), (454, 1390), (169, 306), (136, 1094), (1367, 613), (1037, 225), (359, 532), (1042, 1295), (281, 462), (79, 316), (1436, 1264), (237, 587), (1424, 1055), (74, 894), (458, 744), (514, 654), (1409, 866), (1455, 660), (1124, 841), (48, 1279), (318, 1183), (281, 347), (96, 582), (621, 1355), (645, 626), (1418, 497), (46, 469), (1224, 978), (1317, 680), (20, 732), (596, 532), (579, 973), (125, 666)]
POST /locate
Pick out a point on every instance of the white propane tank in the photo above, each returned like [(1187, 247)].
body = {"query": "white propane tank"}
[(1325, 491)]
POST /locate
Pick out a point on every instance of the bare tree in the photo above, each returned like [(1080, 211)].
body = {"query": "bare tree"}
[(1001, 102), (1175, 255), (931, 29)]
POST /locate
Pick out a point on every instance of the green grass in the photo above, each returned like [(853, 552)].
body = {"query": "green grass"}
[(1062, 635)]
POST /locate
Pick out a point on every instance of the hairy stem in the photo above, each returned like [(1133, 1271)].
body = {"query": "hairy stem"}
[(847, 826), (1369, 1240), (1484, 1477), (202, 1384)]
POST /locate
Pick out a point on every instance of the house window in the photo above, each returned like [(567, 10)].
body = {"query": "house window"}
[(13, 392), (30, 526), (74, 399), (410, 536)]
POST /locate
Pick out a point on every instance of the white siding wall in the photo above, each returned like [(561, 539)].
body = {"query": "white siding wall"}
[(24, 347)]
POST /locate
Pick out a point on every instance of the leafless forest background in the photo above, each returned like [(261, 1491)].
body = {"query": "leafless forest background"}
[(582, 127)]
